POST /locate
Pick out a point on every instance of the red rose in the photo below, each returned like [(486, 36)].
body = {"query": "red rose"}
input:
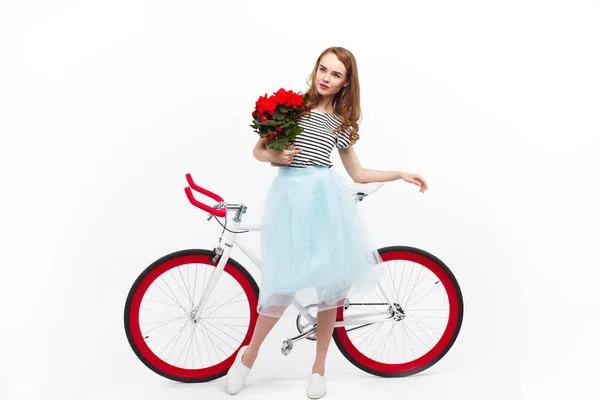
[(263, 118), (278, 129)]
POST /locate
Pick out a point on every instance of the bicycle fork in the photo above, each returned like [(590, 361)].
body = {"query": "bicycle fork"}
[(222, 254)]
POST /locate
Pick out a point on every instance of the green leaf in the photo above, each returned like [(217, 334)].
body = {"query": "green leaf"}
[(278, 116), (276, 145), (296, 130), (270, 122)]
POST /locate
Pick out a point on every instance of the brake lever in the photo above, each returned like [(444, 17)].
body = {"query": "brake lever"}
[(216, 207)]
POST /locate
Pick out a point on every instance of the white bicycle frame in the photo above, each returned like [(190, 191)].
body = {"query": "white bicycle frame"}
[(231, 239)]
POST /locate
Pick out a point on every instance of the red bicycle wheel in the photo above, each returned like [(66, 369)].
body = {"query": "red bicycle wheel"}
[(419, 330), (170, 335)]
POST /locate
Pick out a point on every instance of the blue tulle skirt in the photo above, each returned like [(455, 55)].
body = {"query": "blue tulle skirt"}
[(314, 245)]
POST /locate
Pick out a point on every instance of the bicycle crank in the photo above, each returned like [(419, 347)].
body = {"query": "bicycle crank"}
[(288, 344)]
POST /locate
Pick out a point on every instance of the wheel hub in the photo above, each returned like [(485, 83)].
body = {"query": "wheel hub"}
[(396, 312)]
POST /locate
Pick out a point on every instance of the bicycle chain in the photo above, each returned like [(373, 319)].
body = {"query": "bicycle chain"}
[(358, 327)]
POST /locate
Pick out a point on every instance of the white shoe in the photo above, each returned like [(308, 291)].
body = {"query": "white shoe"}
[(236, 376), (316, 387)]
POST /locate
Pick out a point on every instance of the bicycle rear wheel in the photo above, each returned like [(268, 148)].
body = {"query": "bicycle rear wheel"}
[(422, 327), (172, 338)]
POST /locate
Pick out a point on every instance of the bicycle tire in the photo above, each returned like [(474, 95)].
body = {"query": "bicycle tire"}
[(455, 315), (151, 274)]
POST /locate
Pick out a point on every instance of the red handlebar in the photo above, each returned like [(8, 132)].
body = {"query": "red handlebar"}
[(221, 212)]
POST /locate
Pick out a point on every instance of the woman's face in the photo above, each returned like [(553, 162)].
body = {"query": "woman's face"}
[(331, 75)]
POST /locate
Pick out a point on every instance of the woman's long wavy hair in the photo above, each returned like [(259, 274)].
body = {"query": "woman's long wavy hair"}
[(346, 102)]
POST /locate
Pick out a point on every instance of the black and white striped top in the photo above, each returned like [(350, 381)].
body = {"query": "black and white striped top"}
[(318, 140)]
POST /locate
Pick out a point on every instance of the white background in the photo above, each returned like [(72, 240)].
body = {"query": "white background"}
[(104, 106)]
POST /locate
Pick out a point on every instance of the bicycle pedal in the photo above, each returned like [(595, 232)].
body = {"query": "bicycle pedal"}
[(287, 347)]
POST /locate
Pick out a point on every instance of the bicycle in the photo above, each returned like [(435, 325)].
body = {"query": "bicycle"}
[(189, 330)]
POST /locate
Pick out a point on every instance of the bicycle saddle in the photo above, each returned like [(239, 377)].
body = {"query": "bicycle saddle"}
[(364, 188)]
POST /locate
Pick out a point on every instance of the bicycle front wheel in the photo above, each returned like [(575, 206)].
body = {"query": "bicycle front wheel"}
[(170, 335), (421, 326)]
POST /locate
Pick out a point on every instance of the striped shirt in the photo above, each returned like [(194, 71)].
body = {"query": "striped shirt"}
[(318, 140)]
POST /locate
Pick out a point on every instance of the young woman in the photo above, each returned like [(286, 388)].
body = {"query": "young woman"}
[(314, 246)]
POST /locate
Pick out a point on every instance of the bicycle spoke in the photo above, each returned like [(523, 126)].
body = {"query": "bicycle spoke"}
[(409, 340), (186, 294), (215, 295), (373, 337), (209, 335), (225, 333), (421, 298), (396, 296), (394, 342), (195, 282), (198, 345), (393, 288), (176, 338), (422, 330), (206, 345), (166, 323), (401, 280), (228, 325), (363, 332), (371, 331), (415, 335), (412, 268), (191, 349), (170, 290), (161, 313), (206, 326), (183, 349), (224, 304), (417, 283), (175, 300), (187, 289), (383, 342), (163, 303), (388, 345)]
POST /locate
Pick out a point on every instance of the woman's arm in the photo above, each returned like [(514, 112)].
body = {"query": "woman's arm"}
[(364, 175), (260, 152)]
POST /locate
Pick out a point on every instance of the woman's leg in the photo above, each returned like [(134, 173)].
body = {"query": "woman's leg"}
[(325, 325), (264, 324), (275, 305)]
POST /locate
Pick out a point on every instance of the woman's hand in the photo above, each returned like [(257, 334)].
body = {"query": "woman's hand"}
[(415, 179), (261, 153), (284, 157)]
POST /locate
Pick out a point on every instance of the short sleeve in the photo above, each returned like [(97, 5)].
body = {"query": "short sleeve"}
[(343, 140)]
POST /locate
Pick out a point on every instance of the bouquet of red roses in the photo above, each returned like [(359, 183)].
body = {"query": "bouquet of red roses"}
[(275, 117)]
